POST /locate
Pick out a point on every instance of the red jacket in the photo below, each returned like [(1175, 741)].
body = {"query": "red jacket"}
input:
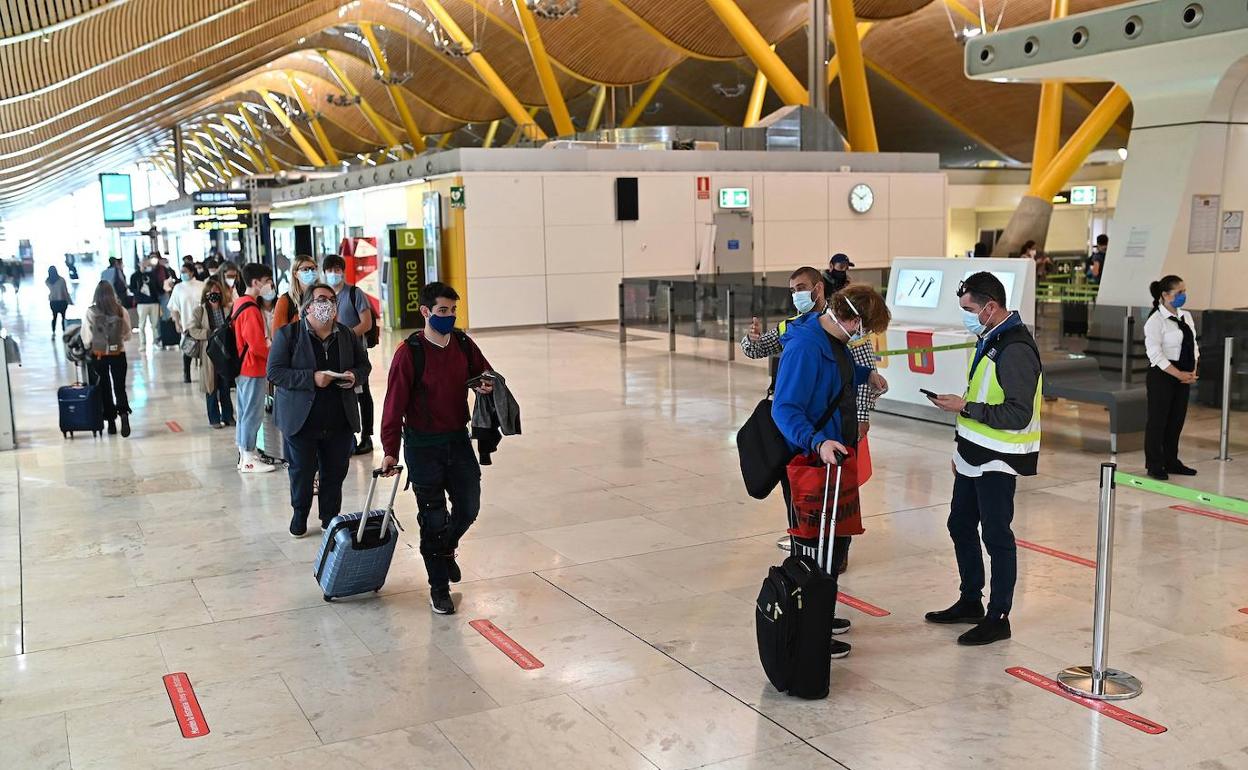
[(253, 344), (443, 405)]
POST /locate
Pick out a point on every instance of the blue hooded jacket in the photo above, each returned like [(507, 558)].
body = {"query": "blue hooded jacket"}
[(808, 379)]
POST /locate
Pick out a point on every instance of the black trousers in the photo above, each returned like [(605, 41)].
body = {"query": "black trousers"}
[(59, 306), (328, 453), (366, 411), (985, 503), (1167, 411), (438, 472), (109, 374)]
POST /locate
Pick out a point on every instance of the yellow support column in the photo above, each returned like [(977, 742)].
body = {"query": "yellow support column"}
[(230, 164), (595, 115), (515, 110), (269, 157), (854, 94), (756, 47), (834, 64), (644, 100), (222, 169), (445, 140), (375, 120), (545, 71), (396, 95), (490, 134), (1049, 118), (314, 122), (296, 135), (1081, 143), (238, 139), (758, 94)]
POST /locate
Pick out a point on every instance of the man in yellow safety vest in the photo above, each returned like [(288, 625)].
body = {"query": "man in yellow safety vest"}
[(998, 439)]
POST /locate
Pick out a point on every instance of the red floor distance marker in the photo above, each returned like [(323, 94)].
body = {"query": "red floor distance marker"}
[(1104, 708), (522, 657), (1070, 557), (1244, 610), (185, 705), (1210, 514), (861, 606), (174, 426)]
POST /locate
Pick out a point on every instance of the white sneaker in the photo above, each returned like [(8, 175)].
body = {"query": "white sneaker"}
[(251, 463)]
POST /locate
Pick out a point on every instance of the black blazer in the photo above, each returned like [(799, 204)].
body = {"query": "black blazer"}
[(292, 364)]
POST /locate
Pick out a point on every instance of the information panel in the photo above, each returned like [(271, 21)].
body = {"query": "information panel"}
[(118, 200)]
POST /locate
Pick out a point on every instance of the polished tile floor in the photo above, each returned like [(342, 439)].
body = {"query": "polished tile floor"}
[(617, 546)]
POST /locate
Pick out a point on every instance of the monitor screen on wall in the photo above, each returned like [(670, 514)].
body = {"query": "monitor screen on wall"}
[(117, 198), (918, 288)]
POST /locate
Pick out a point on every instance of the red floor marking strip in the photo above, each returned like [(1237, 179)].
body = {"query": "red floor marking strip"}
[(1210, 514), (1103, 708), (522, 657), (1058, 554), (173, 426), (1244, 610), (861, 606), (185, 705)]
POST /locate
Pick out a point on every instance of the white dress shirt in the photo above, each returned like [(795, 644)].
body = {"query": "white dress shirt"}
[(1163, 339), (183, 299)]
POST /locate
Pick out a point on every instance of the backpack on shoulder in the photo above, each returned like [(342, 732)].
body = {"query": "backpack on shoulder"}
[(373, 336), (222, 348), (418, 351), (107, 333)]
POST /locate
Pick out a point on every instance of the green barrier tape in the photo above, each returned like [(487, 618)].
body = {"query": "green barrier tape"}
[(938, 348), (1232, 504)]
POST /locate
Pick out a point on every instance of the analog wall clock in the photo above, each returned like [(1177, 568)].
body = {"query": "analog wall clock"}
[(861, 198)]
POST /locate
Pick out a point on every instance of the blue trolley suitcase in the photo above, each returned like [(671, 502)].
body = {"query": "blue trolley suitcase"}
[(81, 409), (357, 549)]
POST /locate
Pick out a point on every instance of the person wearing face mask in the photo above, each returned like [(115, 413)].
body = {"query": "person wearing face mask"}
[(185, 297), (146, 292), (305, 275), (998, 440), (231, 280), (250, 335), (426, 411), (356, 312), (815, 401), (207, 317), (1170, 342), (837, 274), (315, 366)]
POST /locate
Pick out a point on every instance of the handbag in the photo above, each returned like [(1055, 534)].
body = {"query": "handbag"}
[(191, 347), (763, 451)]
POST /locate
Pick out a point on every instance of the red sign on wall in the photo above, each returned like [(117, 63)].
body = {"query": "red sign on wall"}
[(704, 188)]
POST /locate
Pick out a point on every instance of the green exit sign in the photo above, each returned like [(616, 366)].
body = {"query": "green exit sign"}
[(734, 198)]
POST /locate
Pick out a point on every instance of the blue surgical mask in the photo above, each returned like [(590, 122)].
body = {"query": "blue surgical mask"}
[(972, 323), (442, 324), (269, 295), (307, 277), (333, 279), (803, 301), (1179, 300)]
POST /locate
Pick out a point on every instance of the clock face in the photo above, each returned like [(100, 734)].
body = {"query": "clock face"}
[(861, 198)]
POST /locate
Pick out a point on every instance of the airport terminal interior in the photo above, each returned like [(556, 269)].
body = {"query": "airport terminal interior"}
[(1024, 220)]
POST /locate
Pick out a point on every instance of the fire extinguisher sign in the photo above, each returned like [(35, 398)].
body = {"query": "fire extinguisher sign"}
[(704, 188)]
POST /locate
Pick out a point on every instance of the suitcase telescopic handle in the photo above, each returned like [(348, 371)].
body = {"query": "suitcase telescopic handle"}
[(368, 501), (823, 518)]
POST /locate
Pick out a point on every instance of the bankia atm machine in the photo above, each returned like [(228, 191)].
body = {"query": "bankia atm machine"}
[(923, 297)]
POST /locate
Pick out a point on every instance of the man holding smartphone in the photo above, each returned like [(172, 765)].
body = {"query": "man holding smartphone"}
[(426, 410), (998, 440)]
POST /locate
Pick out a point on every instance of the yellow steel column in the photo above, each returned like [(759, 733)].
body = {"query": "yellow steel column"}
[(396, 95), (504, 95), (225, 158), (644, 100), (595, 115), (374, 119), (296, 135), (756, 47), (490, 134), (1049, 119), (1083, 141), (445, 140), (854, 94), (269, 158), (222, 170), (309, 109), (758, 94), (545, 71), (238, 139), (834, 64)]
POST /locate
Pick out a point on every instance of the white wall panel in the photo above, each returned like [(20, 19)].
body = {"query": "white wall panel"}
[(793, 244), (503, 201), (577, 298), (584, 249), (505, 251), (666, 199), (659, 248), (789, 197), (917, 196), (579, 200), (508, 301), (839, 186), (864, 240), (917, 237)]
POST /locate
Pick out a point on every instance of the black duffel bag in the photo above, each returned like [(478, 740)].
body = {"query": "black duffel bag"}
[(763, 451)]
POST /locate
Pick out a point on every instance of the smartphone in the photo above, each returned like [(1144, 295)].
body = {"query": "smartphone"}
[(927, 393)]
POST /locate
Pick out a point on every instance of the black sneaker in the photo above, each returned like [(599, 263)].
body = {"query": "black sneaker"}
[(112, 427), (840, 626), (298, 526), (989, 631), (963, 611), (1159, 475), (441, 602), (840, 649), (452, 570), (1180, 469), (125, 425), (365, 447)]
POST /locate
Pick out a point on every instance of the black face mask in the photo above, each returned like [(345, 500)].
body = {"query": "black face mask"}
[(214, 297), (838, 279)]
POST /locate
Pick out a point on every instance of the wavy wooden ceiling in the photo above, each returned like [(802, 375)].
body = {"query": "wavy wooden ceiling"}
[(91, 85)]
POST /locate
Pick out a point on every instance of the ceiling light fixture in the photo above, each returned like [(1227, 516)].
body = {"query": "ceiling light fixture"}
[(730, 92), (553, 9), (342, 100)]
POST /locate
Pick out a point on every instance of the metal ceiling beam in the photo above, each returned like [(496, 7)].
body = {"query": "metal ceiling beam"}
[(396, 95), (515, 110), (300, 140), (255, 158), (222, 168), (855, 96), (515, 135), (545, 72), (370, 114), (314, 120), (784, 82), (490, 133), (269, 158), (595, 114), (644, 100), (223, 154)]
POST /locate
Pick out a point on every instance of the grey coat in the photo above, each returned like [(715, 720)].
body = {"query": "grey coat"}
[(292, 364), (504, 405)]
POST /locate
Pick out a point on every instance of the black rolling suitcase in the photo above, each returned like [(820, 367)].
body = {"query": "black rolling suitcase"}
[(169, 337), (793, 614), (81, 409)]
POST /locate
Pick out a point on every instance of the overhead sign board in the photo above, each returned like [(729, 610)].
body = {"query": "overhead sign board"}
[(219, 224), (734, 197), (221, 196), (1083, 195), (117, 199)]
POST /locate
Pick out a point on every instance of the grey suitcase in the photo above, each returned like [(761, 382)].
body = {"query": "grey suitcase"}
[(357, 549)]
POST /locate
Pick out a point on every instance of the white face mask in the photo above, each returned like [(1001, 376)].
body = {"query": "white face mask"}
[(853, 336)]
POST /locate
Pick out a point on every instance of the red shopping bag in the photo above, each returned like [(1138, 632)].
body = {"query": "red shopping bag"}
[(807, 478), (863, 456)]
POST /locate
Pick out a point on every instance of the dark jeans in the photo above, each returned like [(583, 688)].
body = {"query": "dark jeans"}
[(220, 406), (438, 472), (109, 375), (326, 452), (59, 306), (985, 502), (186, 368), (366, 411), (1167, 411)]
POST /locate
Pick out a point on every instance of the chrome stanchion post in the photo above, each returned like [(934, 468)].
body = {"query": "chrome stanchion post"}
[(1099, 681), (732, 326), (1224, 436), (671, 318), (623, 333)]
